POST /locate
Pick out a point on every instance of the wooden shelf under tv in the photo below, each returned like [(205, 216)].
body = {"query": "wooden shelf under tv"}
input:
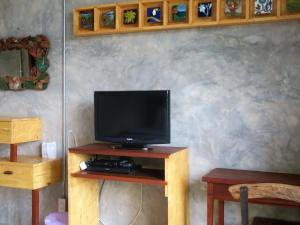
[(144, 176), (84, 187), (279, 14)]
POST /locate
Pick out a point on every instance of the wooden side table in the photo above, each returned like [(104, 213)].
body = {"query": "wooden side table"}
[(26, 172), (219, 179), (83, 186)]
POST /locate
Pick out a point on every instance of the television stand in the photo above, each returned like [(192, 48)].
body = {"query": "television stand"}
[(84, 187)]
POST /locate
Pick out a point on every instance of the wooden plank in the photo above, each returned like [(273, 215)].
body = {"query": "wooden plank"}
[(83, 194), (176, 175), (146, 176), (232, 176), (107, 149)]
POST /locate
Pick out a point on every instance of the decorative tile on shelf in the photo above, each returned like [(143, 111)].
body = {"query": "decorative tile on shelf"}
[(179, 12), (262, 7), (205, 9), (154, 15), (233, 8), (86, 20), (108, 19), (293, 6), (130, 16)]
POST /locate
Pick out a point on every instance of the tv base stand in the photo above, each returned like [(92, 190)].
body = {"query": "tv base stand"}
[(83, 186)]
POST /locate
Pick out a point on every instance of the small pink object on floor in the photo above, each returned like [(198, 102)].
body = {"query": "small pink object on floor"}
[(57, 218)]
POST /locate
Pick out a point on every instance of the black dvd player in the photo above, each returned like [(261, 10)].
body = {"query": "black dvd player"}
[(109, 169), (113, 165)]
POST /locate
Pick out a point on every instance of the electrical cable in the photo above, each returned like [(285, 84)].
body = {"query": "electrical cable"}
[(133, 221), (100, 192), (140, 208), (74, 138)]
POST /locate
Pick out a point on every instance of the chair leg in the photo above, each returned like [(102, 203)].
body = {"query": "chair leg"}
[(244, 205)]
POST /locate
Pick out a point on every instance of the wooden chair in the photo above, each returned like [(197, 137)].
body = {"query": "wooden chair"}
[(243, 192)]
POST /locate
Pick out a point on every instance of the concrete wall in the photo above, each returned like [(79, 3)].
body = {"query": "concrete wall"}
[(19, 19), (235, 103)]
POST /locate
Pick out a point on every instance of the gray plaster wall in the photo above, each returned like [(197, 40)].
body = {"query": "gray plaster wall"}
[(19, 19), (235, 95)]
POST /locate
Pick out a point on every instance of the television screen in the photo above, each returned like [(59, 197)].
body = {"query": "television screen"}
[(132, 117)]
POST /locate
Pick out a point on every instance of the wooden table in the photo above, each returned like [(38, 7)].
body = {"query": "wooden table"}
[(84, 188), (218, 181)]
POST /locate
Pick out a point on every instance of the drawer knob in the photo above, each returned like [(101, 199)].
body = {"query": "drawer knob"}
[(8, 172)]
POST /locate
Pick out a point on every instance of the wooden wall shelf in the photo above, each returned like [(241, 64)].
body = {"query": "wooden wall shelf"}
[(83, 186), (90, 20)]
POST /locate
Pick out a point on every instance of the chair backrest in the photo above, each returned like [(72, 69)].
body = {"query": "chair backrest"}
[(268, 190), (243, 192)]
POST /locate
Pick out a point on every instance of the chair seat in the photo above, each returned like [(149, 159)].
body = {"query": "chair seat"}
[(267, 221)]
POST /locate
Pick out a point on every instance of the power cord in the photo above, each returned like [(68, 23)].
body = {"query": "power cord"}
[(74, 138), (138, 212), (100, 192)]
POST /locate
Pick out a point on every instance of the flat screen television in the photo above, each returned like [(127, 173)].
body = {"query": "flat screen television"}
[(132, 119)]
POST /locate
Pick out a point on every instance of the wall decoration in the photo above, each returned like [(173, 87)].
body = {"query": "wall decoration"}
[(130, 16), (37, 49), (233, 7), (154, 15), (205, 9), (179, 12), (149, 15), (86, 19), (109, 18), (263, 7), (293, 6)]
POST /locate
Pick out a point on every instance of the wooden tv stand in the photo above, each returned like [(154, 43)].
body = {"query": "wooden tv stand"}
[(83, 186)]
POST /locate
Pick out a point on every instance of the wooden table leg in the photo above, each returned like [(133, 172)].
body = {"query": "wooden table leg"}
[(210, 205), (13, 153), (35, 207), (221, 212)]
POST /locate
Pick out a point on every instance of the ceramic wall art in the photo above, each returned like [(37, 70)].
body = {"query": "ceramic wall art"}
[(108, 19), (205, 9), (179, 12), (233, 7), (263, 7), (130, 16), (293, 6), (154, 15), (86, 20)]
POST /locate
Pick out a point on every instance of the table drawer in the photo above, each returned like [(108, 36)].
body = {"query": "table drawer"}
[(16, 176), (19, 130)]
